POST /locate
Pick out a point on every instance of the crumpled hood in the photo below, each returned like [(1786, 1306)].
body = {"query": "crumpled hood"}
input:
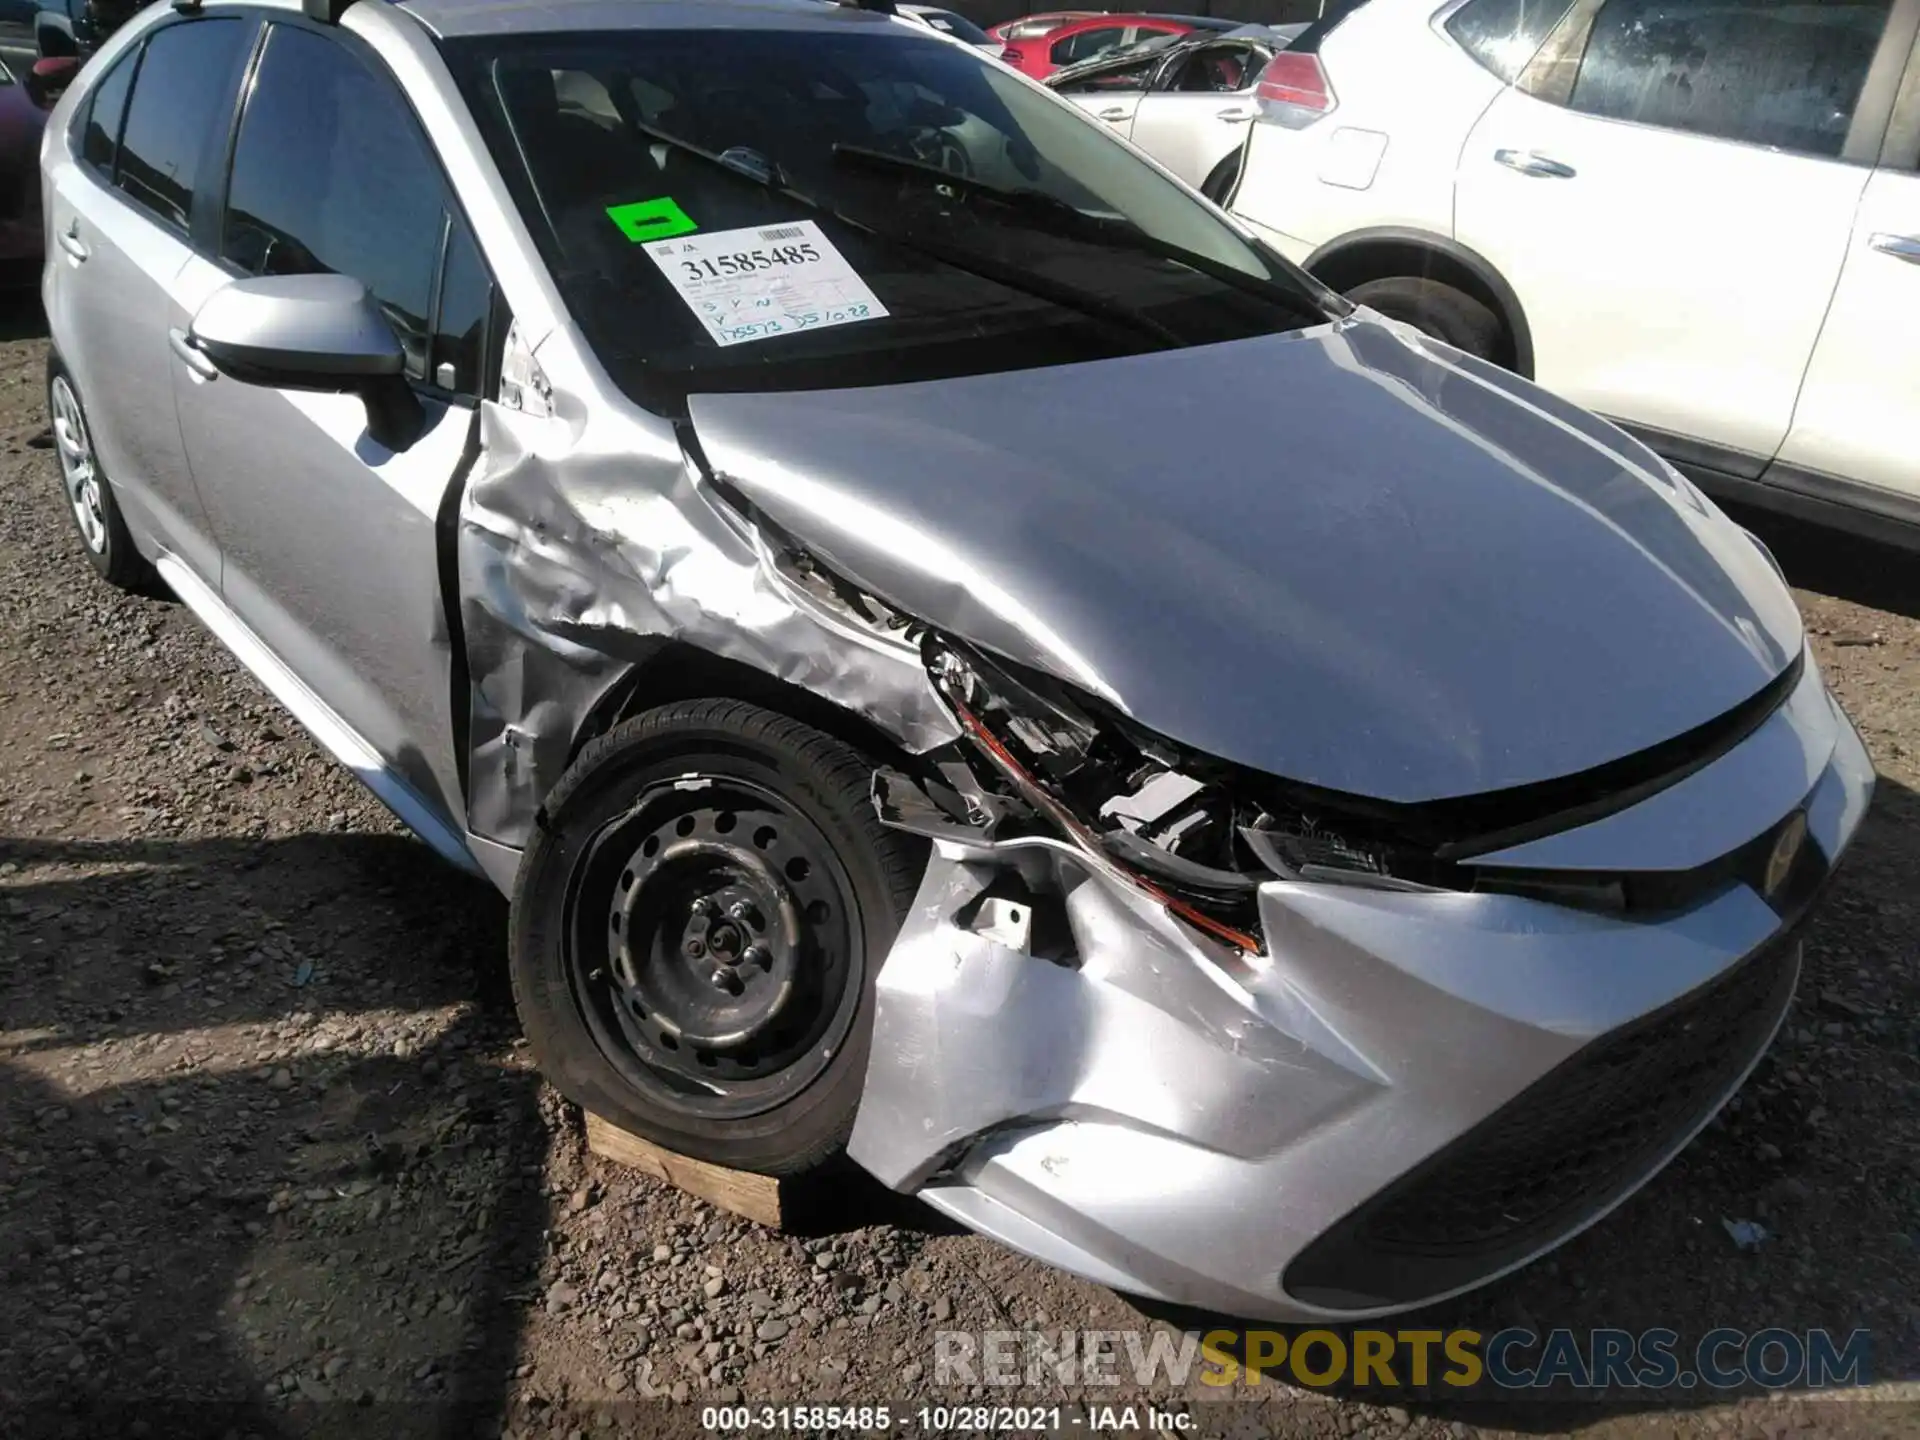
[(1336, 555)]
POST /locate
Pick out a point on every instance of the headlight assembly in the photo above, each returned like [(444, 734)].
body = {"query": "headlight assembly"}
[(1193, 832)]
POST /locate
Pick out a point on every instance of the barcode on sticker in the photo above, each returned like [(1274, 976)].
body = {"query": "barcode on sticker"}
[(783, 232)]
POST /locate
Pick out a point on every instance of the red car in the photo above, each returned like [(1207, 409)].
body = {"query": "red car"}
[(1031, 27), (1084, 38)]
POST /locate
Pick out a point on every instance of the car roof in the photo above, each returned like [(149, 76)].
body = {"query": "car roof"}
[(450, 18)]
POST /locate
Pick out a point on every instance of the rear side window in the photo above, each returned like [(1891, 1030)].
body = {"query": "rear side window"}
[(100, 132), (182, 97), (331, 175), (1503, 35), (1780, 73), (1085, 44)]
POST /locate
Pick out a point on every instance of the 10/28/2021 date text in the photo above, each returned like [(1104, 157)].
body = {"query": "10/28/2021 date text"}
[(935, 1419)]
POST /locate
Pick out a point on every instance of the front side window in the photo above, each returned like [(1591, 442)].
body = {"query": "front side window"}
[(182, 97), (1117, 77), (1504, 35), (942, 215), (331, 175), (100, 129), (1784, 73), (1215, 69), (466, 302)]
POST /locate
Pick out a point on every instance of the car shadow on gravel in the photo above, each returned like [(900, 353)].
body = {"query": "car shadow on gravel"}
[(21, 316), (272, 1160), (1819, 1148), (271, 1157)]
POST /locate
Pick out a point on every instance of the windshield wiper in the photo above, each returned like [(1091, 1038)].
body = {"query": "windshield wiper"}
[(1050, 213), (1068, 297)]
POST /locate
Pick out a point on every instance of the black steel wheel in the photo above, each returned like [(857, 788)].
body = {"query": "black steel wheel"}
[(697, 928)]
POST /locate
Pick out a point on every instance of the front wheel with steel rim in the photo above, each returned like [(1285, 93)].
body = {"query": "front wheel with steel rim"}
[(697, 927), (96, 515)]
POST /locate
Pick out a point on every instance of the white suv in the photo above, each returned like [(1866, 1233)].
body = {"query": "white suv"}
[(1700, 218)]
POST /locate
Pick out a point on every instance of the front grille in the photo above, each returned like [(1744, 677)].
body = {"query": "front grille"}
[(1568, 1146)]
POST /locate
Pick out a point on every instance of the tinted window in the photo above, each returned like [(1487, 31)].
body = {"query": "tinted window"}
[(1503, 35), (100, 134), (182, 97), (466, 295), (1762, 71), (1085, 44), (330, 174), (97, 19)]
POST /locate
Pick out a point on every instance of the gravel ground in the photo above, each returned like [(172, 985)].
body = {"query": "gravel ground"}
[(273, 1159)]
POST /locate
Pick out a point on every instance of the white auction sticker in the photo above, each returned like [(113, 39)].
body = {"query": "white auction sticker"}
[(765, 280)]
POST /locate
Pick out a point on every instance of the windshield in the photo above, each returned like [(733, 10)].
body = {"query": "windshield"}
[(891, 206), (957, 26)]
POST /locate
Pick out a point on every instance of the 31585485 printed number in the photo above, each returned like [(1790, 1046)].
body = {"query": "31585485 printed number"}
[(742, 262)]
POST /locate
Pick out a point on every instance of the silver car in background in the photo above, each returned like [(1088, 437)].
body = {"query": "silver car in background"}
[(958, 655)]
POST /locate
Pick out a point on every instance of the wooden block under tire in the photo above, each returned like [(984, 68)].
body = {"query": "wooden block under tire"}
[(754, 1197)]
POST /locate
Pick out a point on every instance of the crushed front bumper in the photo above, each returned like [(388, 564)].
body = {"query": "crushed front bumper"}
[(1408, 1095)]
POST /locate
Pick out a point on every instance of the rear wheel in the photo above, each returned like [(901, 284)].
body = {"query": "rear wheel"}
[(1451, 316), (697, 927), (95, 513)]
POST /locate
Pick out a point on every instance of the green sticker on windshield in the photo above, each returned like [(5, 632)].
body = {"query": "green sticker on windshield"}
[(645, 220)]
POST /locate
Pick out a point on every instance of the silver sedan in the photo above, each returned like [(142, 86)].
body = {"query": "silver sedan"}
[(960, 656)]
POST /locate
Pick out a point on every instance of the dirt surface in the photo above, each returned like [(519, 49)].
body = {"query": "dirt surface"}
[(273, 1160)]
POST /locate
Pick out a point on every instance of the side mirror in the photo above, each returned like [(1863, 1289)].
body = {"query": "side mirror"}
[(49, 78), (312, 332)]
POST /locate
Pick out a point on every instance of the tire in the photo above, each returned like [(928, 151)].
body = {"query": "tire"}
[(635, 998), (1218, 186), (1448, 315), (89, 493)]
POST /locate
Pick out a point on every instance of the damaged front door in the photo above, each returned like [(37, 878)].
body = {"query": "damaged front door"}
[(329, 534)]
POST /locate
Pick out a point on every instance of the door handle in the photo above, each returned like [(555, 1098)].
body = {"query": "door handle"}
[(1234, 115), (71, 242), (1529, 163), (1115, 112), (191, 355), (1901, 247)]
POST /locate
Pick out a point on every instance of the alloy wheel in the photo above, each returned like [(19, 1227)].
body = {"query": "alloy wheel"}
[(78, 470)]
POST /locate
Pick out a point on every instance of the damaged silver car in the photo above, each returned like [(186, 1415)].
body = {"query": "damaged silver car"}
[(959, 656)]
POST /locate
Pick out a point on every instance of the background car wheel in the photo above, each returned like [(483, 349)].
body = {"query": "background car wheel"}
[(1218, 187), (96, 514), (1449, 315), (697, 927)]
